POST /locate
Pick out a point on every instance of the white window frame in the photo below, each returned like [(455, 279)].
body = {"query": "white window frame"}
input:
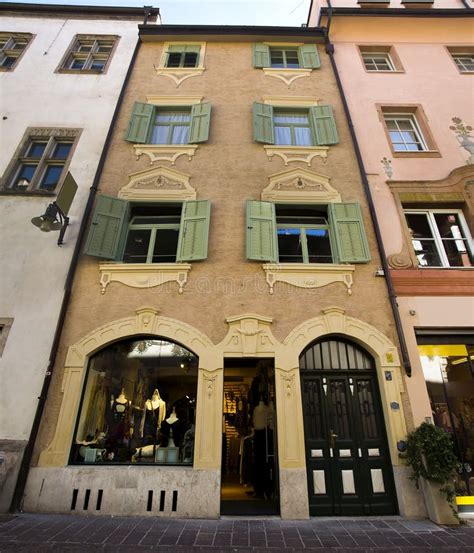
[(457, 58), (371, 55), (437, 236), (400, 116)]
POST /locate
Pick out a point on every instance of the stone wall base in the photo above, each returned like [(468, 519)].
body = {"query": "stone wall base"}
[(125, 491), (11, 454), (410, 500)]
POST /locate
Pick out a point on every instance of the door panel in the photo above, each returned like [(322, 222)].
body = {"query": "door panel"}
[(349, 470)]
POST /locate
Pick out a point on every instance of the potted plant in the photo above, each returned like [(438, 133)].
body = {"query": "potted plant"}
[(430, 455)]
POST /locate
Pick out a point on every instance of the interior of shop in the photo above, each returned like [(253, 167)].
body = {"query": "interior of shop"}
[(249, 462), (138, 405)]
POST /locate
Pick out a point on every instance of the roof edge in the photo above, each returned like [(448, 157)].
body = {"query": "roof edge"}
[(78, 9), (229, 30), (399, 12)]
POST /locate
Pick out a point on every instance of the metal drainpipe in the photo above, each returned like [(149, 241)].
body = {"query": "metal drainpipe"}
[(388, 277), (17, 499)]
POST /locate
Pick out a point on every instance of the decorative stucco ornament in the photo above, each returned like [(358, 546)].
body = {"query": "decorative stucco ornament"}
[(465, 139), (387, 167)]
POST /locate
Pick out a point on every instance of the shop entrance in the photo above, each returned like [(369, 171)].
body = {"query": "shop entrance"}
[(249, 477), (347, 455)]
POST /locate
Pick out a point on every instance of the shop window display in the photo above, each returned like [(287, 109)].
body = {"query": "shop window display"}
[(448, 369), (138, 405)]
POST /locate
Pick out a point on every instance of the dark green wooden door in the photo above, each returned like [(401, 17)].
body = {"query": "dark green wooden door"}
[(347, 456)]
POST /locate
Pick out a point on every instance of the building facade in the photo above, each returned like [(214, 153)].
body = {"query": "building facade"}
[(61, 71), (228, 329), (407, 71)]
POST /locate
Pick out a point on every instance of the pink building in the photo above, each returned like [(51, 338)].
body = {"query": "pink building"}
[(407, 71)]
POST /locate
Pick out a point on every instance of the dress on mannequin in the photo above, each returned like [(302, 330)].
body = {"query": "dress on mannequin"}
[(172, 428), (153, 414)]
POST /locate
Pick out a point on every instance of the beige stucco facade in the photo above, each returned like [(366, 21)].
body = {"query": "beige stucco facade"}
[(224, 306)]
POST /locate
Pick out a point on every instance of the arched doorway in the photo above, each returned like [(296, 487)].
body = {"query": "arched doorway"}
[(347, 455)]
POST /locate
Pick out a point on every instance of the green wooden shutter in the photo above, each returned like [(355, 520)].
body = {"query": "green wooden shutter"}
[(348, 230), (263, 129), (261, 55), (194, 230), (323, 125), (108, 229), (261, 239), (309, 56), (140, 122), (200, 121)]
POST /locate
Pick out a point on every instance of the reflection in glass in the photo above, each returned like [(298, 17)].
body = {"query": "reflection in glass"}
[(449, 374), (138, 405)]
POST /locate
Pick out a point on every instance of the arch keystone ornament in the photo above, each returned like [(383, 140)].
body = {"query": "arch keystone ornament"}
[(249, 335)]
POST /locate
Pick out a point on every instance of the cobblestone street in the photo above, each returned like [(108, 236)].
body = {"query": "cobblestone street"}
[(63, 533)]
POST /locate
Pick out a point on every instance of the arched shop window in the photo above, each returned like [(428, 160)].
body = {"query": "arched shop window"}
[(138, 405)]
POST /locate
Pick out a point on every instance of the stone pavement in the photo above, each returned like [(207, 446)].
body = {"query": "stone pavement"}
[(74, 534)]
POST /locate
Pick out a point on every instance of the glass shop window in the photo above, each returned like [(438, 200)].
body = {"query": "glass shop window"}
[(448, 369), (138, 405)]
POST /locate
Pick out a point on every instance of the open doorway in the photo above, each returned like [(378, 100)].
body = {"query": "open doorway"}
[(249, 482)]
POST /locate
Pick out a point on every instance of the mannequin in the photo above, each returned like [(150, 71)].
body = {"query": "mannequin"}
[(154, 412), (119, 423), (171, 430), (260, 419), (261, 416)]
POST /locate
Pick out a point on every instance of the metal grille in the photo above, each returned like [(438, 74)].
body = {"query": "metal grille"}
[(333, 354)]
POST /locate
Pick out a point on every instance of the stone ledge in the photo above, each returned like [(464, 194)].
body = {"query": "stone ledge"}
[(143, 275), (309, 275), (165, 152)]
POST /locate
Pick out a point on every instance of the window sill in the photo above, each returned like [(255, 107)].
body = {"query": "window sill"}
[(385, 71), (423, 153), (143, 275), (311, 275), (41, 193), (165, 152), (81, 71), (288, 76), (296, 153), (180, 74)]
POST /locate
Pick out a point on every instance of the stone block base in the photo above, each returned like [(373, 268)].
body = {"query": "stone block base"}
[(410, 500), (11, 454), (125, 491)]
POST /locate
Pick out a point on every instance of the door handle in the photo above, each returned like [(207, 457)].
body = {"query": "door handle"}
[(332, 437)]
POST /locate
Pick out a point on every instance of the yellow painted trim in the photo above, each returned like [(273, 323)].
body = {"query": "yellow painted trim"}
[(158, 183), (144, 275), (309, 275), (300, 185), (165, 152), (465, 500), (291, 101), (173, 100), (296, 153), (288, 76)]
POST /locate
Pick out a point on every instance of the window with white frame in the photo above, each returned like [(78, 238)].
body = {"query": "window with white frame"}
[(12, 46), (89, 54), (440, 238), (464, 60), (42, 158), (292, 128), (378, 61), (405, 133), (284, 58)]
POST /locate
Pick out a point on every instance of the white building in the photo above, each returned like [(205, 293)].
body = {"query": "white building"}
[(62, 69)]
